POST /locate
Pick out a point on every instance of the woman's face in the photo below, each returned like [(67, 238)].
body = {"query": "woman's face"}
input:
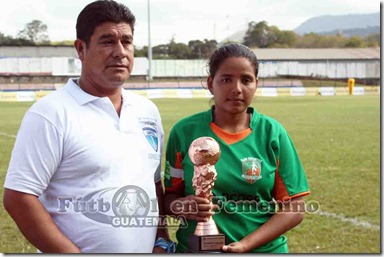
[(233, 86)]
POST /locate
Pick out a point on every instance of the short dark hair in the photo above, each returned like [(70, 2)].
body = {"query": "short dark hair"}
[(231, 50), (101, 11)]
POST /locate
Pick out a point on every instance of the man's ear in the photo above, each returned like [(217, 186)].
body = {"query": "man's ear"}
[(80, 48), (257, 83), (210, 84)]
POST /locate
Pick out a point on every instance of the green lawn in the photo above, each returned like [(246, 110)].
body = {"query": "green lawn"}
[(338, 140)]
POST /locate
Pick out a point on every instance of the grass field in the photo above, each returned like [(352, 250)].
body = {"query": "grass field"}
[(338, 140)]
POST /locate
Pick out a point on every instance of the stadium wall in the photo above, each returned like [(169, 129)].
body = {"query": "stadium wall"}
[(71, 67), (23, 96)]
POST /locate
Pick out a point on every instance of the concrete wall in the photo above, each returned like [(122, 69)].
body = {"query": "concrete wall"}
[(70, 66)]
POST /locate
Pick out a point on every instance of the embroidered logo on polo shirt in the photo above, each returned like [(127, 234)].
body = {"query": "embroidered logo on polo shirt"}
[(251, 169), (150, 132), (151, 136)]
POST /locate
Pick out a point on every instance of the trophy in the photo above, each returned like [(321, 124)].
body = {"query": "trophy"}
[(204, 152)]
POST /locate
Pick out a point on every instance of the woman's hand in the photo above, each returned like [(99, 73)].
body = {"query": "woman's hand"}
[(235, 247), (193, 208)]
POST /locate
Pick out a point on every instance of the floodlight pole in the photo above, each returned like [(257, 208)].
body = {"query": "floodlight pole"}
[(149, 44)]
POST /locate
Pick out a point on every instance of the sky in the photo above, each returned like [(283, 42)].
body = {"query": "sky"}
[(182, 20)]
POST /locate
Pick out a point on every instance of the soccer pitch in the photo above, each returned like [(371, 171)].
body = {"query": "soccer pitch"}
[(338, 140)]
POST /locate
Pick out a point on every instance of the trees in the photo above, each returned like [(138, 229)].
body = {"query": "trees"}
[(202, 49), (373, 40), (178, 50), (160, 52), (196, 49), (285, 39), (141, 52), (10, 41), (354, 42), (172, 50), (263, 36), (35, 31), (259, 35)]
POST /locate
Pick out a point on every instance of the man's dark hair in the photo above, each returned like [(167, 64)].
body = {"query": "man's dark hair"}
[(99, 12)]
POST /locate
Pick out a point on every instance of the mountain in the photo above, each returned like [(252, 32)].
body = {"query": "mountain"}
[(362, 32), (347, 25), (237, 37), (340, 23)]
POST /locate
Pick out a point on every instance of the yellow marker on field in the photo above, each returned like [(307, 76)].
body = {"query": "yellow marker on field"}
[(351, 85)]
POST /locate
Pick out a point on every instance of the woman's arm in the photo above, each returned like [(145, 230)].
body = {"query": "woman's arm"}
[(290, 214)]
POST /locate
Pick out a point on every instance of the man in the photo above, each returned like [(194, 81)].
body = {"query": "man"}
[(82, 172)]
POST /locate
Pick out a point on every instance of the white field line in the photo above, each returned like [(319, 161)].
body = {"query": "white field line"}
[(354, 221), (6, 135)]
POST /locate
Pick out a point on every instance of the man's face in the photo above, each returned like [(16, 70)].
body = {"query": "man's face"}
[(107, 61)]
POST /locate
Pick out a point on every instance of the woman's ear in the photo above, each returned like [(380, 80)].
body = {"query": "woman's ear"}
[(210, 84)]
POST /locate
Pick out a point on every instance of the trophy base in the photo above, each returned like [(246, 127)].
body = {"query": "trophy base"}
[(208, 243)]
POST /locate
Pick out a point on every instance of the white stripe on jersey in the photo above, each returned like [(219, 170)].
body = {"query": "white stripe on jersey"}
[(177, 173)]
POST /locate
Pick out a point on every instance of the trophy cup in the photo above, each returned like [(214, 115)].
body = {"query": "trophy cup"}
[(204, 152)]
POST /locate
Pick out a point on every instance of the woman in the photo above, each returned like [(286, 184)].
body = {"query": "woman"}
[(260, 180)]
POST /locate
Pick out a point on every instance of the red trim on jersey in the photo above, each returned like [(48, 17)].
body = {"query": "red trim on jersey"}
[(300, 194), (177, 185), (179, 160), (280, 192), (229, 138)]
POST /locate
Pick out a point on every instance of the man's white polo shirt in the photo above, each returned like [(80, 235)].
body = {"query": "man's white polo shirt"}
[(93, 171)]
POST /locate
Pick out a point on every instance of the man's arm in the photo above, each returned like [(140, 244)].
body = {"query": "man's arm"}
[(162, 231), (35, 223)]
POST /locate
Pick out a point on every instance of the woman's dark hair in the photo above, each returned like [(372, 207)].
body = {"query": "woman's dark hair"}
[(99, 12), (231, 50)]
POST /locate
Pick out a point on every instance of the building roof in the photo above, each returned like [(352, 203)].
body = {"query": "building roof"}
[(263, 54), (37, 51), (285, 54)]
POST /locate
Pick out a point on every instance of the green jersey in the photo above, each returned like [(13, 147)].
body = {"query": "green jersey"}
[(253, 173)]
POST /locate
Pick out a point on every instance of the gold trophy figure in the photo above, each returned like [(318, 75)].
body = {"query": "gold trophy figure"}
[(204, 152)]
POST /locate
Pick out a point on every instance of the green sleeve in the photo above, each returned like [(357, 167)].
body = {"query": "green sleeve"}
[(291, 170)]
